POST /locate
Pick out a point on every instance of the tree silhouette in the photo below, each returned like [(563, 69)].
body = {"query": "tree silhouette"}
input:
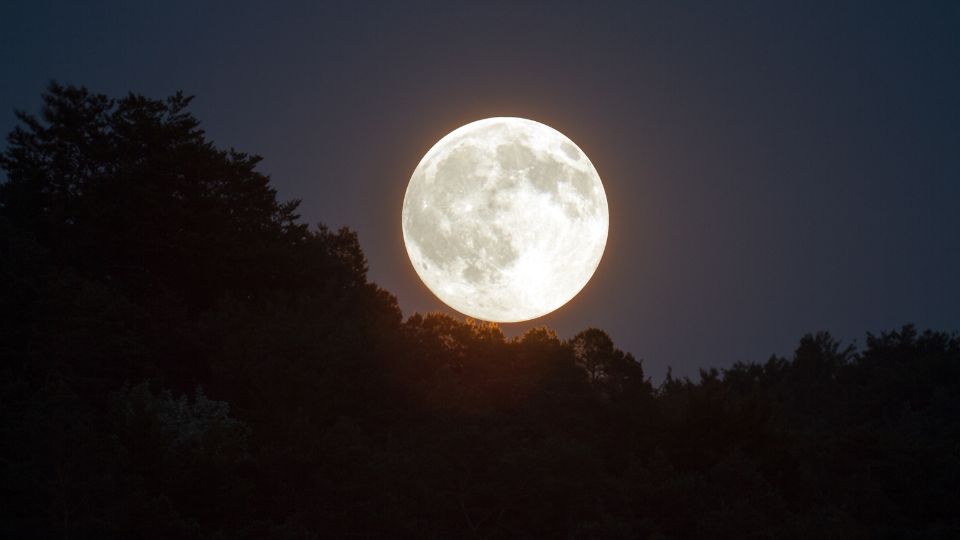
[(180, 357)]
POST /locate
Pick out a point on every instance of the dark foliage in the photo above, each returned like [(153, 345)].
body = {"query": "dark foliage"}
[(181, 358)]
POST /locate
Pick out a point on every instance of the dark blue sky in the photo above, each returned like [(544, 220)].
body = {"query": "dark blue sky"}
[(773, 168)]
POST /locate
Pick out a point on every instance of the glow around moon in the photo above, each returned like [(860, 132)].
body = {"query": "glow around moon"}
[(505, 219)]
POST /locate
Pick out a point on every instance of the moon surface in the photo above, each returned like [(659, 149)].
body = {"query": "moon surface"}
[(505, 219)]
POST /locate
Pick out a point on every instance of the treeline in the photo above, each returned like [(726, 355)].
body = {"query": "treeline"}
[(180, 357)]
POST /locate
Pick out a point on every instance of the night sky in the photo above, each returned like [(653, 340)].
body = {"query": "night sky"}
[(772, 168)]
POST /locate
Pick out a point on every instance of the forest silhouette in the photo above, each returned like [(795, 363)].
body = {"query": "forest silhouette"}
[(182, 357)]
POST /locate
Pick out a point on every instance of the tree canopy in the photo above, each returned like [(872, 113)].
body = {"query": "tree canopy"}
[(181, 357)]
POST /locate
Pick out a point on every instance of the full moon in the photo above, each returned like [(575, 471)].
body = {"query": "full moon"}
[(505, 219)]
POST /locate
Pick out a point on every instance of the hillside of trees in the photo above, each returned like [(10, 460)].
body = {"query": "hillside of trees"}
[(182, 357)]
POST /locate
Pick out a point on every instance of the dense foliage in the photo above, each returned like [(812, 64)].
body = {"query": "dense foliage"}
[(181, 358)]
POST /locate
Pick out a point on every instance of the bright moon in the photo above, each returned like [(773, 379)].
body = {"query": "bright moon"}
[(505, 219)]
